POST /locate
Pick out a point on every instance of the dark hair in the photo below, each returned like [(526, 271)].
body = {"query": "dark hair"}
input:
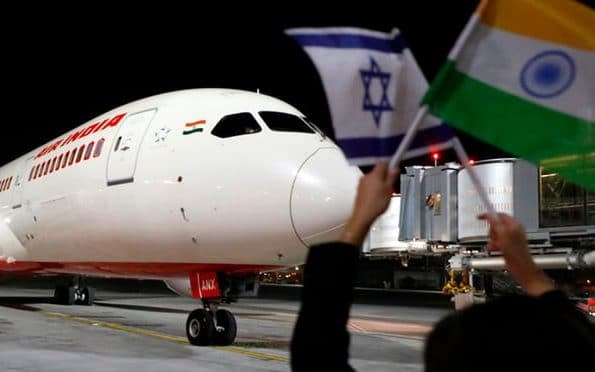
[(512, 333)]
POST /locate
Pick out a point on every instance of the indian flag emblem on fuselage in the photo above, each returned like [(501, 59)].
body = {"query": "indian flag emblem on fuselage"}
[(195, 126)]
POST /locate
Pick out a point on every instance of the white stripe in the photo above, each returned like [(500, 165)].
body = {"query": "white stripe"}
[(339, 71), (497, 58), (462, 40), (342, 30)]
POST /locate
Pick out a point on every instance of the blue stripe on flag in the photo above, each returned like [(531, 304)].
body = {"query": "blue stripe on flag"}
[(385, 147), (350, 41)]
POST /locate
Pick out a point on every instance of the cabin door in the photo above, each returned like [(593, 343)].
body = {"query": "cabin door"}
[(124, 153), (18, 183), (18, 227)]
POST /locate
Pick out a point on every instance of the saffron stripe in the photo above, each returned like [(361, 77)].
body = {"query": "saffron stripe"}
[(195, 123), (557, 21)]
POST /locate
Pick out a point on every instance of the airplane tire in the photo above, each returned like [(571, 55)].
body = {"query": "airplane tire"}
[(89, 293), (227, 322), (80, 297), (200, 327), (64, 295)]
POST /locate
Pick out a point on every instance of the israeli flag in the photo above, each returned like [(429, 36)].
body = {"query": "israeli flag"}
[(374, 87)]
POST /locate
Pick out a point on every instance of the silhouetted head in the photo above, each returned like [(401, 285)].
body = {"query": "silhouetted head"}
[(512, 333)]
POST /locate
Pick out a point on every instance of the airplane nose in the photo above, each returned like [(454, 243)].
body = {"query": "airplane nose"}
[(323, 195)]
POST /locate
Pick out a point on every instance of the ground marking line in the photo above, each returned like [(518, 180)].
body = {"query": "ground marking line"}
[(178, 339)]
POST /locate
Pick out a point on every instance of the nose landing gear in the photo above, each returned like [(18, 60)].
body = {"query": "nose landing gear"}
[(203, 328), (76, 292)]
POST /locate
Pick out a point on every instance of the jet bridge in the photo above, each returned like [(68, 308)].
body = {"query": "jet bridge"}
[(438, 206)]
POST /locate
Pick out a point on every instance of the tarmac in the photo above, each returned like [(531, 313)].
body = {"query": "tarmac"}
[(145, 330)]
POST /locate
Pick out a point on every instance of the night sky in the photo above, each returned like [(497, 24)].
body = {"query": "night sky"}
[(61, 70)]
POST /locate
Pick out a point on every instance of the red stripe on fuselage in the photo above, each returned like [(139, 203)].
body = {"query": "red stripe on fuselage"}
[(130, 269)]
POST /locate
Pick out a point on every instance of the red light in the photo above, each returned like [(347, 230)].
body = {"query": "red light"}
[(471, 161), (435, 156)]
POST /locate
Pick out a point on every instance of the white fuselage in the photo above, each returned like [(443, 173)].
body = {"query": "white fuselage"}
[(164, 196)]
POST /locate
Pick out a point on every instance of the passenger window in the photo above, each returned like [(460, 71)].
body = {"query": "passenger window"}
[(72, 155), (31, 173), (37, 172), (80, 153), (65, 160), (117, 143), (52, 164), (98, 147), (283, 122), (59, 161), (89, 150), (236, 125)]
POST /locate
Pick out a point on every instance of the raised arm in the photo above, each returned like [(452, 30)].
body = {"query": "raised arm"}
[(320, 339), (508, 236), (373, 196)]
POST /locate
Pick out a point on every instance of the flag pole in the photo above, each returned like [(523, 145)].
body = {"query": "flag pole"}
[(456, 143), (458, 147), (464, 159), (398, 155), (467, 30), (423, 110)]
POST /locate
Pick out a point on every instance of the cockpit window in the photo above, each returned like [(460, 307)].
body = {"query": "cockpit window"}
[(283, 122), (236, 125), (314, 126)]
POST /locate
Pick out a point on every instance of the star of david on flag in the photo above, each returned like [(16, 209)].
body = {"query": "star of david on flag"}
[(374, 87)]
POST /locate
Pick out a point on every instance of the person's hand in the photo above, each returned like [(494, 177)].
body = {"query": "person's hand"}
[(508, 236), (373, 196)]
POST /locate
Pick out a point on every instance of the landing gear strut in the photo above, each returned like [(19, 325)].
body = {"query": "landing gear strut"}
[(75, 292), (211, 325)]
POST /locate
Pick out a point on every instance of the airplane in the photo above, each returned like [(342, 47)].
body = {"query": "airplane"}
[(200, 188)]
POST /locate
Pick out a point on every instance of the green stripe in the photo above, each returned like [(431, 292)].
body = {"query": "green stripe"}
[(192, 131), (557, 141)]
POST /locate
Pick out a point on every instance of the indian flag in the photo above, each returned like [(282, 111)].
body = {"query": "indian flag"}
[(522, 77), (195, 126)]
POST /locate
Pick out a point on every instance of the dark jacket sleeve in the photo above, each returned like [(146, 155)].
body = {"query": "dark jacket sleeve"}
[(320, 339)]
